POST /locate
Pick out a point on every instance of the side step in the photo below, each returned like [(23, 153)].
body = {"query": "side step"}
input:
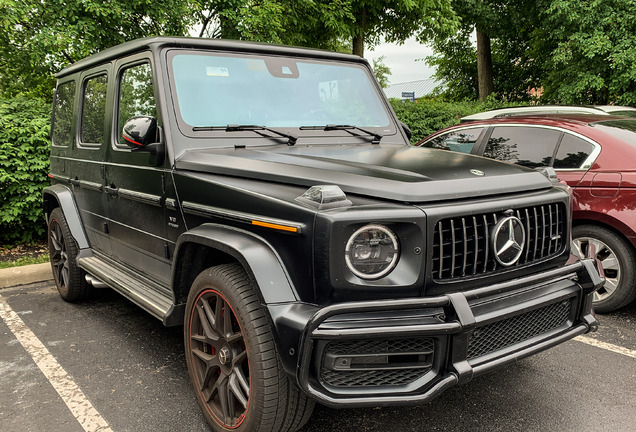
[(137, 288)]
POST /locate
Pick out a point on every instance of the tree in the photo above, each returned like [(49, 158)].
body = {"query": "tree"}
[(397, 20), (593, 52), (504, 60), (381, 71), (39, 38)]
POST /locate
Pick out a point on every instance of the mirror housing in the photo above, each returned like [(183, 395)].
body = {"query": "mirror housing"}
[(140, 131), (406, 129)]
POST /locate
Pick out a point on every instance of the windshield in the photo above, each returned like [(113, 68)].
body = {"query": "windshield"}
[(218, 90), (624, 130)]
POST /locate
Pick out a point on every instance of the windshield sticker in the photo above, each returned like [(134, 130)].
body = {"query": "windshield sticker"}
[(217, 71)]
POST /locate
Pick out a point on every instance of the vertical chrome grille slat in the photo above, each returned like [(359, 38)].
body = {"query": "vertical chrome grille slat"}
[(536, 233), (551, 235), (542, 231), (440, 227), (465, 241), (528, 235), (476, 234), (487, 241), (452, 272)]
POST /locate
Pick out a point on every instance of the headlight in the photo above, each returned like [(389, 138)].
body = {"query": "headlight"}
[(372, 252)]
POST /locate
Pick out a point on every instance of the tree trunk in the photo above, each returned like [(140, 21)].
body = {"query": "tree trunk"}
[(484, 65), (358, 37)]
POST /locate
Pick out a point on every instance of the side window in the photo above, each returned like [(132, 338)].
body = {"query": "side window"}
[(573, 151), (461, 141), (528, 146), (94, 110), (136, 96), (63, 114)]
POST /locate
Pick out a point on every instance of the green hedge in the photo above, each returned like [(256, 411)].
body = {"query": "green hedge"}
[(426, 116), (24, 164)]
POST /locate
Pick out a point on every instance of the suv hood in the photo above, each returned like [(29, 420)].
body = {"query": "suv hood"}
[(401, 173)]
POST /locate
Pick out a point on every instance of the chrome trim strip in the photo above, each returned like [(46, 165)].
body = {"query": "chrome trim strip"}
[(154, 200)]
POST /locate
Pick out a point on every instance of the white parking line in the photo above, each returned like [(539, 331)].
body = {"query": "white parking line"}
[(71, 394), (606, 346)]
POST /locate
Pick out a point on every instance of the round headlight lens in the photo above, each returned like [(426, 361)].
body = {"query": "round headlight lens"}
[(372, 252)]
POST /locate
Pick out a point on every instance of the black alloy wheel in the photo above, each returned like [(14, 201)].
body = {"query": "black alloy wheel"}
[(219, 358), (69, 278)]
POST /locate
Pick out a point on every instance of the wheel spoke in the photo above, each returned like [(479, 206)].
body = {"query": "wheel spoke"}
[(237, 390), (577, 249), (222, 392), (242, 381), (610, 286), (206, 319), (610, 263)]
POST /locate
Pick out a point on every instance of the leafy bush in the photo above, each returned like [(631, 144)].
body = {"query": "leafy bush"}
[(426, 116), (24, 163)]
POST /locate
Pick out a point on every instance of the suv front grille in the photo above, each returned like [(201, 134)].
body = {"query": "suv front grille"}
[(376, 363), (507, 332), (462, 246)]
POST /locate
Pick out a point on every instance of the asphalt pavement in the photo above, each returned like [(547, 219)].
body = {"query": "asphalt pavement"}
[(106, 365)]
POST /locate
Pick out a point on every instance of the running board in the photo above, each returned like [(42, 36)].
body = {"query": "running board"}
[(137, 288)]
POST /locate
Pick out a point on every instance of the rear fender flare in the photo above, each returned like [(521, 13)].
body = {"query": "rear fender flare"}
[(61, 196)]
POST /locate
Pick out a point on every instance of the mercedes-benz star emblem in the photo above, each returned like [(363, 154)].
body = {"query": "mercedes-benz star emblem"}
[(508, 239)]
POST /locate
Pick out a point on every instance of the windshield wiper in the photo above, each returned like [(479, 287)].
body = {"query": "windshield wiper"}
[(291, 139), (348, 128)]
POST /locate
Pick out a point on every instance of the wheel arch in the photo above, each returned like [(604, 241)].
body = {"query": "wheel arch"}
[(61, 196), (615, 226), (213, 244)]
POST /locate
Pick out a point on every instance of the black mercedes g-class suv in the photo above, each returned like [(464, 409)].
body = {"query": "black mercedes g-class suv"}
[(267, 199)]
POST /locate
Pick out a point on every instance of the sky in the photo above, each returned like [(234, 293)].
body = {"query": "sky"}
[(401, 59)]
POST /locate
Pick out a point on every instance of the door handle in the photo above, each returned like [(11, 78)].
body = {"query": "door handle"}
[(112, 190), (74, 181)]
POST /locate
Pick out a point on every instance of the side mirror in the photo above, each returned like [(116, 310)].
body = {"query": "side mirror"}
[(407, 130), (140, 131)]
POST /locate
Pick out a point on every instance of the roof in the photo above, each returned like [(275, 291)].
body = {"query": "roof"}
[(421, 88), (158, 42)]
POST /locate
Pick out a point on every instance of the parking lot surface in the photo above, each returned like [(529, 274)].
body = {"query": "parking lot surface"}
[(107, 365)]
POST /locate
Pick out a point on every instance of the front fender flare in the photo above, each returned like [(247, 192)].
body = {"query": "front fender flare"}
[(255, 254)]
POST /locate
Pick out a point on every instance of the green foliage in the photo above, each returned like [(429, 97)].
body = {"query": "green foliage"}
[(517, 65), (381, 71), (24, 163), (39, 38), (593, 52), (426, 116)]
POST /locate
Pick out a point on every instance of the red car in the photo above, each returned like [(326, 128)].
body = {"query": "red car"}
[(596, 156)]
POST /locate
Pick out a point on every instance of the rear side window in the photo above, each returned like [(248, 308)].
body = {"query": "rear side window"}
[(527, 146), (573, 152), (462, 141), (136, 96), (94, 110), (63, 114)]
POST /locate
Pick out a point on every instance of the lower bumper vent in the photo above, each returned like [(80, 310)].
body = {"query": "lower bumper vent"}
[(376, 363), (510, 331)]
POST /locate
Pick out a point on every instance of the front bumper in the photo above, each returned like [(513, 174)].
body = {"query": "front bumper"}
[(401, 352)]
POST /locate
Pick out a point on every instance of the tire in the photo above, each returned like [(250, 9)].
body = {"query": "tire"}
[(69, 278), (617, 257), (233, 362)]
